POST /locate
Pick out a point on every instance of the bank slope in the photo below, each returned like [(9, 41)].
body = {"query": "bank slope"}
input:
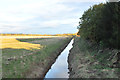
[(87, 60)]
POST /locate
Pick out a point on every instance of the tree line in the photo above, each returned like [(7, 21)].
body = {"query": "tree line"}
[(101, 24), (20, 34)]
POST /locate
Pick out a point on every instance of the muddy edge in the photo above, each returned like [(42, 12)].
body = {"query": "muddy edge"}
[(70, 57)]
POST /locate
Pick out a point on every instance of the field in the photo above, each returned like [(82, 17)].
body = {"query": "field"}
[(29, 58)]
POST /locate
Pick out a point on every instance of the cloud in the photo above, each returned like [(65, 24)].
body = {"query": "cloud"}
[(9, 27), (83, 1), (22, 15), (55, 23)]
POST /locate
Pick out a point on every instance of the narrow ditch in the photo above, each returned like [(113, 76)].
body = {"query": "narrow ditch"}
[(60, 68)]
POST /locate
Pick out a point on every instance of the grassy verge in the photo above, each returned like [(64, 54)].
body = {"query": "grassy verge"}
[(21, 63), (88, 60)]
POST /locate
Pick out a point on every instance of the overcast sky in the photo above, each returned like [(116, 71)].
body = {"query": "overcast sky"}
[(42, 16)]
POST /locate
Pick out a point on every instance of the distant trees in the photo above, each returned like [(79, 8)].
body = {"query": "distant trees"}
[(68, 34), (6, 34), (101, 24)]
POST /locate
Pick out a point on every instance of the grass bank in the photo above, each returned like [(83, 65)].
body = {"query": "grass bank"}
[(87, 60), (22, 63)]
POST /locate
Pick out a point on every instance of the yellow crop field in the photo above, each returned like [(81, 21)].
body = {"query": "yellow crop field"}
[(15, 44), (10, 41)]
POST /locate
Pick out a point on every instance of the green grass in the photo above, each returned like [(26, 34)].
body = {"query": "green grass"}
[(92, 53), (18, 68), (32, 39), (93, 50)]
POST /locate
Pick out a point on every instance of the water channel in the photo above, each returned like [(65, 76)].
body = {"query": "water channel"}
[(60, 68)]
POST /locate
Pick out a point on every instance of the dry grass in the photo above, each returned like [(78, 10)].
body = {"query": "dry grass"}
[(15, 44)]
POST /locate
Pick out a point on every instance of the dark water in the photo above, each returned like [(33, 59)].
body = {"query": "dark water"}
[(60, 68)]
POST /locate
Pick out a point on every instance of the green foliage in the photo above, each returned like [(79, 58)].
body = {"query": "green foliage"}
[(101, 23), (101, 44)]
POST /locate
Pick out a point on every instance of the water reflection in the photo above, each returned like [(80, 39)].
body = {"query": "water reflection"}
[(60, 68)]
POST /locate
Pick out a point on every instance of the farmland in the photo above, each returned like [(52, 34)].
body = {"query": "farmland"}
[(30, 57)]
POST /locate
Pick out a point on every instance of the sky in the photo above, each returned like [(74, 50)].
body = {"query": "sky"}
[(42, 16)]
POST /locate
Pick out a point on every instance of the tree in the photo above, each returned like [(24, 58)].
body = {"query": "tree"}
[(101, 23)]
